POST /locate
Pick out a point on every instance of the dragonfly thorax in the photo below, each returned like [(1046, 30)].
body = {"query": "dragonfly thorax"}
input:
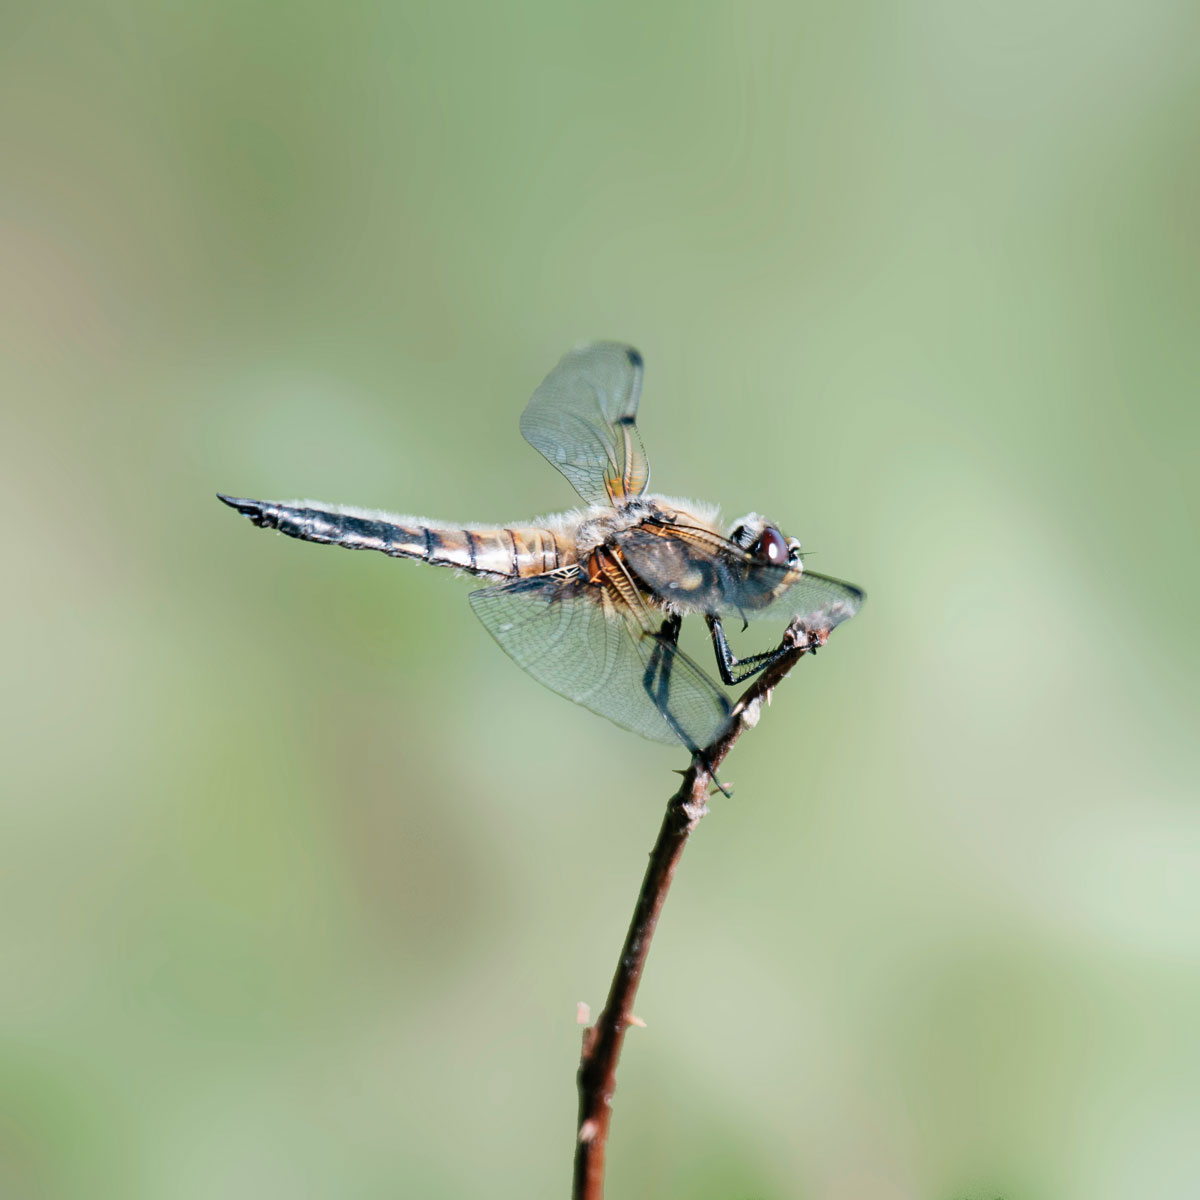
[(602, 525)]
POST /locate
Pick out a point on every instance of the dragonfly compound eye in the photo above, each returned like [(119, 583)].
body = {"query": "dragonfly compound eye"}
[(771, 547)]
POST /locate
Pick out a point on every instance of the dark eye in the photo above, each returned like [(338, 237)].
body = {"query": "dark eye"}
[(771, 547)]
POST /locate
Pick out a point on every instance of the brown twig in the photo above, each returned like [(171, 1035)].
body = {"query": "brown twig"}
[(602, 1041)]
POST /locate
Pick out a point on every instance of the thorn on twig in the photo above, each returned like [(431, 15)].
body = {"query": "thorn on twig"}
[(630, 1019), (587, 1042), (583, 1014)]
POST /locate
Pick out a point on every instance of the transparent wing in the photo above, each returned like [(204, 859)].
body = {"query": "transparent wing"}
[(819, 601), (574, 638), (705, 574), (583, 420)]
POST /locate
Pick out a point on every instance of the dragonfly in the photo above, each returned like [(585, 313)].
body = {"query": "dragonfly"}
[(591, 602)]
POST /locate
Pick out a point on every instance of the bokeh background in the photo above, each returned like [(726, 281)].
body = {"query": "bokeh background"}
[(301, 879)]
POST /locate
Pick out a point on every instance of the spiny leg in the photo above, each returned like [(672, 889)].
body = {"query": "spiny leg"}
[(737, 670), (657, 677), (661, 661)]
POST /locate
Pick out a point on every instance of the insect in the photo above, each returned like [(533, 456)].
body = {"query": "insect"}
[(591, 602)]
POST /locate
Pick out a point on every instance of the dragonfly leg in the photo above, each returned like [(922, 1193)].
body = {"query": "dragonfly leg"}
[(657, 677), (668, 631), (737, 670), (657, 681)]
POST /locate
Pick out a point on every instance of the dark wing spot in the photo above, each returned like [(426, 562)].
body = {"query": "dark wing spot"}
[(634, 357)]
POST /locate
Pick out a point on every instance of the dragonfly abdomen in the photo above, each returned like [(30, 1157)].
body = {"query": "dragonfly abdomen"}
[(507, 553), (516, 552)]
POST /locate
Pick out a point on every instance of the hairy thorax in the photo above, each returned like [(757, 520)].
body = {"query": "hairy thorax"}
[(601, 526)]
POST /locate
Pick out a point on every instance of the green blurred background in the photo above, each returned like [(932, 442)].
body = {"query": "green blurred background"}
[(301, 878)]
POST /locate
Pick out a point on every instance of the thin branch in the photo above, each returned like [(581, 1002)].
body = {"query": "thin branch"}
[(602, 1042)]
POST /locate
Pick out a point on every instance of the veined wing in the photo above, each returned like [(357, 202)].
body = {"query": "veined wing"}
[(577, 640), (817, 601), (704, 574), (583, 421)]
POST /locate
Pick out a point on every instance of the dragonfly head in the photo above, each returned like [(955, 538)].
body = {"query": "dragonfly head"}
[(762, 541)]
